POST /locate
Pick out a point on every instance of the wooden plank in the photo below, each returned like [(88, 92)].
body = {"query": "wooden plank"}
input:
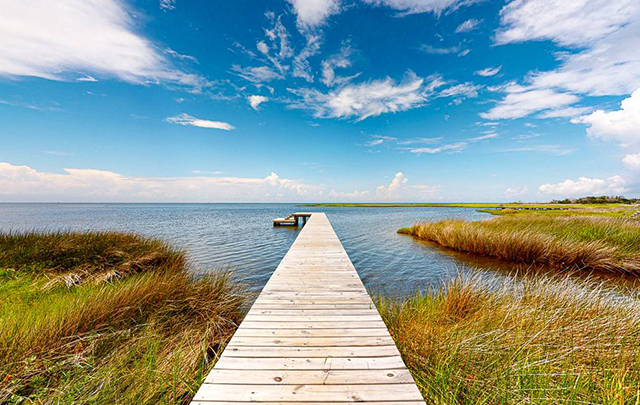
[(312, 341), (302, 363), (303, 393), (207, 402), (327, 377), (372, 332), (313, 336), (310, 325)]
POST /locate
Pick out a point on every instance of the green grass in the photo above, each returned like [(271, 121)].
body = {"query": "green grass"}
[(592, 243), (527, 341), (96, 318), (552, 209)]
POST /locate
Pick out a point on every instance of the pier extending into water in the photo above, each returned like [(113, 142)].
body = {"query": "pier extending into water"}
[(312, 337), (293, 219)]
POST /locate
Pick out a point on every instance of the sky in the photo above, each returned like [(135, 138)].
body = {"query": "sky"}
[(318, 100)]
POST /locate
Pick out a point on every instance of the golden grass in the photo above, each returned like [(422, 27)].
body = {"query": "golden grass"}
[(592, 243), (147, 335), (526, 341)]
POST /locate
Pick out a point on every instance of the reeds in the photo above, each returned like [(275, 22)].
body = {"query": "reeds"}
[(146, 333), (526, 341), (600, 244)]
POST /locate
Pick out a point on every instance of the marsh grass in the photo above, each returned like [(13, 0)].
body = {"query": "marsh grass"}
[(107, 318), (529, 340), (565, 243)]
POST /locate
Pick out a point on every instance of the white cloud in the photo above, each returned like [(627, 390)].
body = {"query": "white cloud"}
[(23, 183), (632, 161), (188, 120), (301, 66), (367, 99), (440, 51), (586, 186), (394, 188), (468, 25), (258, 74), (314, 13), (399, 189), (58, 39), (622, 125), (421, 6), (569, 23), (87, 78), (605, 62), (520, 102), (511, 192), (180, 56), (452, 148), (557, 150), (255, 101), (340, 60), (464, 89), (487, 72), (167, 4), (483, 138), (380, 139), (564, 112), (263, 47)]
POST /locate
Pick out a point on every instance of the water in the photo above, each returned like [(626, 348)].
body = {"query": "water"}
[(241, 238)]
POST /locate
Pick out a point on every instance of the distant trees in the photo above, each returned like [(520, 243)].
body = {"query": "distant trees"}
[(598, 200)]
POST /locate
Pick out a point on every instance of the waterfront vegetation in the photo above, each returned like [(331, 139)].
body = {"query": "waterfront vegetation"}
[(589, 206), (107, 318), (93, 318), (530, 340), (564, 243)]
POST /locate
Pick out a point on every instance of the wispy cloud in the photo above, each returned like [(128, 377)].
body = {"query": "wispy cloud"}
[(215, 172), (188, 120), (468, 25), (180, 56), (166, 5), (523, 101), (257, 74), (439, 50), (550, 149), (451, 148), (87, 37), (87, 79), (368, 99), (421, 6), (488, 72)]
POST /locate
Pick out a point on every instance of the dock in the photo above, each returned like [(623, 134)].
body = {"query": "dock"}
[(293, 219), (313, 336)]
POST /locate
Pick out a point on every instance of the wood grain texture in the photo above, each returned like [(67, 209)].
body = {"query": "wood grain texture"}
[(312, 337)]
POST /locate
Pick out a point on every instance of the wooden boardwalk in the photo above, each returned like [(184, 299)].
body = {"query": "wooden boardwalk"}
[(312, 337)]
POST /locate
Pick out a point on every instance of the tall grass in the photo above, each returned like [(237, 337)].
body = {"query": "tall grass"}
[(107, 318), (531, 341), (601, 244)]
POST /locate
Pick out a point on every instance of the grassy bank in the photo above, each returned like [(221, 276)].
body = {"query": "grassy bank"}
[(602, 209), (98, 318), (592, 243), (534, 341)]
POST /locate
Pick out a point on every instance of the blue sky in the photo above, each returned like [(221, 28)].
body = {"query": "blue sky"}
[(319, 100)]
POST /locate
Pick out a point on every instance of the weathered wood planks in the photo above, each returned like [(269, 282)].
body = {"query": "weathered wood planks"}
[(312, 337)]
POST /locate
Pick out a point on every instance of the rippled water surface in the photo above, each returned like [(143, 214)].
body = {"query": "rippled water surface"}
[(241, 237)]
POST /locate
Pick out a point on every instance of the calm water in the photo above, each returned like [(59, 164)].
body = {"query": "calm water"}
[(241, 237)]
